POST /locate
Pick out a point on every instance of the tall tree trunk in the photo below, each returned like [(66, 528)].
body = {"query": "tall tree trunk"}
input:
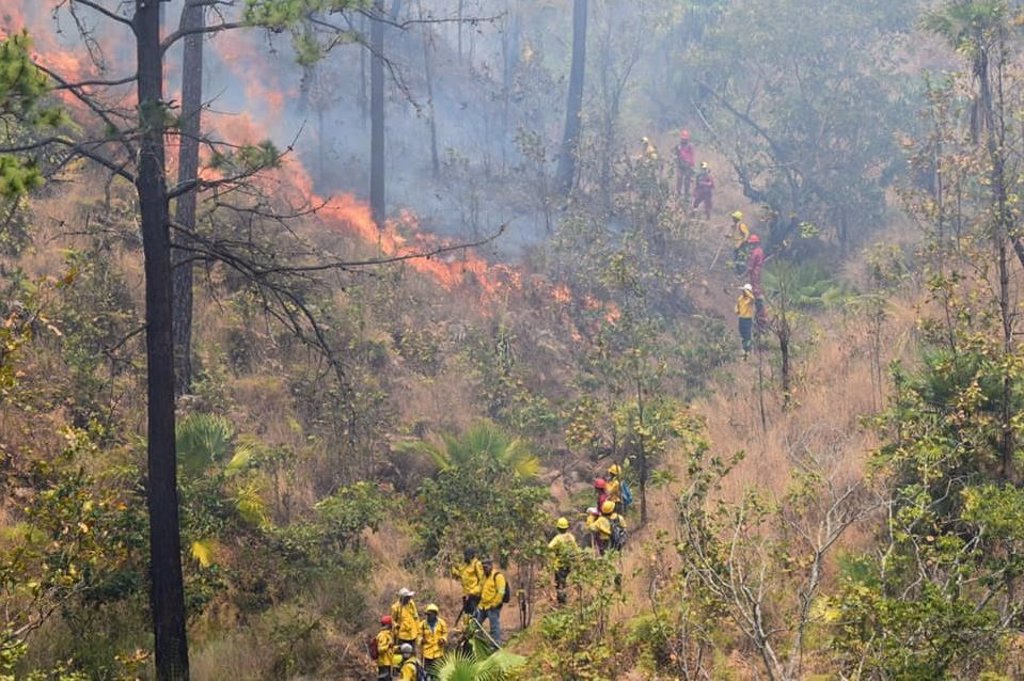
[(644, 468), (364, 109), (377, 195), (428, 72), (193, 18), (167, 597), (574, 104)]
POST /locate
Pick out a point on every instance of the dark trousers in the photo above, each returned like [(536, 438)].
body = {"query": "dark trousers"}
[(747, 332), (383, 673), (561, 578), (469, 604)]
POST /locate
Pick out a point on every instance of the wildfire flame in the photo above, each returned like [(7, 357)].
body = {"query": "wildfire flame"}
[(264, 102)]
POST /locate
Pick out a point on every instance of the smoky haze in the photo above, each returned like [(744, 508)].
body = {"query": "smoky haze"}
[(489, 77)]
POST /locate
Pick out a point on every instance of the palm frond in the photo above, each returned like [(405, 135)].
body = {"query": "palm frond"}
[(202, 439)]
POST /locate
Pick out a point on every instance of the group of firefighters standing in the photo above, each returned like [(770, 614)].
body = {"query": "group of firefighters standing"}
[(413, 647), (410, 648), (748, 256)]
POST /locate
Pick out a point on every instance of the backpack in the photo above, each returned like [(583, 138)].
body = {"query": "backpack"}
[(507, 596), (372, 649), (618, 535), (626, 494)]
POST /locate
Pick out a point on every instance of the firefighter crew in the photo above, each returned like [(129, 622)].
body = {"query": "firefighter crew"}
[(385, 648), (406, 618), (602, 528), (471, 576), (563, 550), (613, 486), (685, 162), (492, 597), (409, 668), (704, 189), (434, 635), (745, 314)]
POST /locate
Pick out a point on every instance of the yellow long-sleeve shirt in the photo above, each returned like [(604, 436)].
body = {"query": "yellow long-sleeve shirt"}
[(603, 525), (435, 639), (745, 305), (408, 670), (562, 546), (740, 233), (613, 488), (385, 648), (407, 620), (471, 575), (493, 591)]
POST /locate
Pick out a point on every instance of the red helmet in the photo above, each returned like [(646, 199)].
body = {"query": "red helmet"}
[(600, 483), (385, 621), (754, 239), (684, 134)]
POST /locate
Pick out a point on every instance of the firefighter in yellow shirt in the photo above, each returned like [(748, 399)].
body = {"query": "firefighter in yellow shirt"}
[(385, 648), (434, 634), (563, 550), (471, 576), (613, 486), (608, 531), (492, 597), (406, 618), (745, 306), (409, 668)]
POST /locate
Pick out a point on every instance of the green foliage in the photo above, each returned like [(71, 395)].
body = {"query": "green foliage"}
[(484, 494), (805, 286), (79, 552), (23, 88), (809, 150), (576, 640), (459, 666), (246, 160)]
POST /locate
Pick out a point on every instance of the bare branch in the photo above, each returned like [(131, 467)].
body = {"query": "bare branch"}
[(215, 28), (96, 7)]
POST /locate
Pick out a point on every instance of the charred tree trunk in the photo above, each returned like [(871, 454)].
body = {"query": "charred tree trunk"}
[(193, 18), (167, 597), (574, 104), (378, 201)]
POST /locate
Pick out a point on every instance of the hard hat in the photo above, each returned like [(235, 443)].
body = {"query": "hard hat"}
[(736, 215), (386, 621), (406, 649), (614, 470), (704, 165), (593, 510), (748, 288), (645, 140), (608, 507), (433, 608), (754, 239), (684, 134), (405, 593), (600, 483), (562, 524)]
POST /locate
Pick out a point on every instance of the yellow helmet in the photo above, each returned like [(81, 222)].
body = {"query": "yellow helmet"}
[(432, 608), (563, 523), (608, 507), (614, 470), (736, 215)]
